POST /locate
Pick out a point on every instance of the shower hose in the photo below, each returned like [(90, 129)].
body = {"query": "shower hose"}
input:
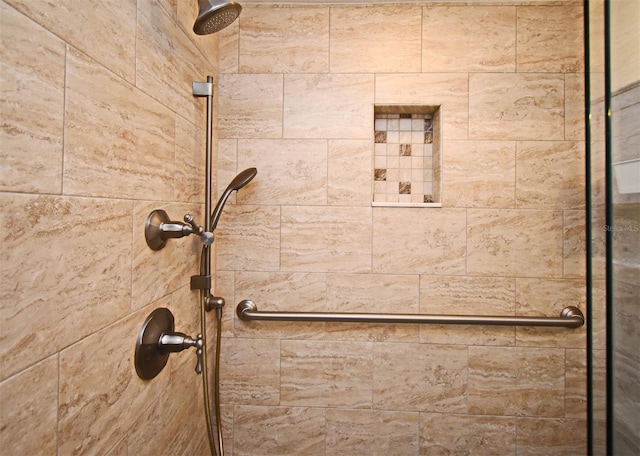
[(216, 450)]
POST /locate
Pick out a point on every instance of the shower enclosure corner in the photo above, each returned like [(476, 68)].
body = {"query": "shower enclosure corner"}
[(612, 104)]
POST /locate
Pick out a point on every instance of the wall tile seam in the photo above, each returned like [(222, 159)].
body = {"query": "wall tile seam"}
[(133, 85), (331, 337), (422, 39)]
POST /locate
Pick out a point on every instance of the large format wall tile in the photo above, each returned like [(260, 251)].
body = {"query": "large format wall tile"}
[(479, 173), (326, 239), (276, 431), (250, 371), (575, 244), (332, 106), (179, 408), (282, 291), (248, 238), (575, 393), (420, 377), (625, 52), (419, 241), (118, 141), (349, 172), (384, 293), (516, 106), (514, 242), (185, 13), (460, 295), (190, 159), (290, 171), (252, 105), (551, 436), (469, 38), (29, 412), (371, 39), (228, 44), (516, 381), (541, 29), (448, 90), (167, 62), (106, 31), (538, 297), (371, 432), (574, 120), (92, 414), (442, 433), (226, 166), (32, 105), (66, 272), (284, 40), (550, 175), (224, 286), (326, 373)]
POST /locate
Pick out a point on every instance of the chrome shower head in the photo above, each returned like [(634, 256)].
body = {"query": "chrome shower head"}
[(237, 183), (214, 15)]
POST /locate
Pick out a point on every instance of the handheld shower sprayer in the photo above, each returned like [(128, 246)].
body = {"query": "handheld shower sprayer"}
[(236, 184), (159, 227)]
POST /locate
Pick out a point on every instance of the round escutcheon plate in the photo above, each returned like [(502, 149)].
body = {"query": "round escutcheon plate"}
[(150, 359)]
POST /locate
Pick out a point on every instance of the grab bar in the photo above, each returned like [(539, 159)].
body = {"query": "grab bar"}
[(570, 317)]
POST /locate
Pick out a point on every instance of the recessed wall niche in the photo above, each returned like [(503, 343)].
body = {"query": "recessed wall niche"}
[(407, 156)]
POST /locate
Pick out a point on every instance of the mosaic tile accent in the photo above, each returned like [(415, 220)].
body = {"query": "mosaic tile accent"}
[(403, 168)]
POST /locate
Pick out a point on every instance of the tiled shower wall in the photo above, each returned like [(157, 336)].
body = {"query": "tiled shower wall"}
[(99, 127), (297, 90)]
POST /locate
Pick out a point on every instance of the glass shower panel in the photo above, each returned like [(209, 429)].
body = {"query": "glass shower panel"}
[(613, 140), (624, 38)]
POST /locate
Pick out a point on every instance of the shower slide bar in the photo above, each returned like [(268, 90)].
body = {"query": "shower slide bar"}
[(570, 317)]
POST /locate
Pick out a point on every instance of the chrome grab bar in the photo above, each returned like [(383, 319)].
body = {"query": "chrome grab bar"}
[(570, 317)]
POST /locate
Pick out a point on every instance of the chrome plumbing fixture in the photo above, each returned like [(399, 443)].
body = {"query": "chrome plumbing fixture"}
[(214, 15), (157, 339), (159, 228)]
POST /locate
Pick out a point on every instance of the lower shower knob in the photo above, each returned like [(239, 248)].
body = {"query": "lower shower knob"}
[(150, 359)]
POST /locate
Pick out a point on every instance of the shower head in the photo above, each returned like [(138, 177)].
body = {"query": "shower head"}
[(242, 179), (236, 184), (214, 15)]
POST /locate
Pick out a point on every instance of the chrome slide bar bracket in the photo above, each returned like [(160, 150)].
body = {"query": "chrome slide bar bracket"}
[(202, 89), (570, 317)]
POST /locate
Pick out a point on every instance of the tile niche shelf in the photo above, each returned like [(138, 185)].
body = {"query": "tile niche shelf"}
[(407, 156)]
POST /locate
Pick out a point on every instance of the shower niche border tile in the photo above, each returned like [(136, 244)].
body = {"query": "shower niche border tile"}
[(407, 163)]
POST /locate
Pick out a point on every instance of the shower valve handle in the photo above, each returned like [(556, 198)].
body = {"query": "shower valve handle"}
[(199, 354), (206, 237), (175, 342)]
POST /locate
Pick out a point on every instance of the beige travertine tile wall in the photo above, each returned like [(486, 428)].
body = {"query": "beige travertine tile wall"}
[(298, 85), (99, 127)]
